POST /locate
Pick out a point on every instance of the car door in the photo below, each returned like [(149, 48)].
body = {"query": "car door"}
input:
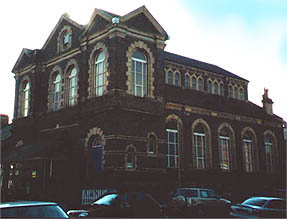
[(275, 208)]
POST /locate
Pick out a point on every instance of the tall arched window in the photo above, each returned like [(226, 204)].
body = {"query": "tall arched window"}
[(73, 86), (230, 91), (173, 145), (139, 73), (169, 77), (100, 74), (215, 88), (56, 92), (235, 92), (193, 82), (96, 152), (225, 149), (200, 146), (209, 86), (249, 151), (130, 158), (268, 153), (200, 84), (151, 144), (221, 89), (187, 81), (26, 99), (240, 94), (177, 79)]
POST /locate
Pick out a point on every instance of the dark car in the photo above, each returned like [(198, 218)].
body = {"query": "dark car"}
[(200, 202), (260, 207), (31, 209), (124, 204)]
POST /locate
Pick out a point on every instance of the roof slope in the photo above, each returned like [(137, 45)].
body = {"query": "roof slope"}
[(199, 64)]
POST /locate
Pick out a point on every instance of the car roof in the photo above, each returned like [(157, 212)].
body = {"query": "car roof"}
[(24, 204), (192, 188), (265, 198)]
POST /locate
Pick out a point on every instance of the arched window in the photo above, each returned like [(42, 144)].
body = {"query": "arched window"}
[(65, 38), (56, 92), (96, 152), (200, 146), (215, 88), (130, 164), (209, 86), (230, 91), (235, 92), (26, 99), (221, 89), (151, 144), (249, 151), (240, 94), (193, 83), (100, 74), (268, 153), (73, 86), (169, 77), (139, 73), (172, 143), (200, 84), (187, 81), (177, 79), (225, 149)]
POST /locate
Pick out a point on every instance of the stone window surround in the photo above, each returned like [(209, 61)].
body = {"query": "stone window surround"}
[(156, 143), (56, 69), (70, 65), (60, 46), (150, 68), (26, 79), (126, 157), (274, 150), (91, 81)]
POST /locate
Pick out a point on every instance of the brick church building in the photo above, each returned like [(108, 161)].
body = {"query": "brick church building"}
[(104, 106)]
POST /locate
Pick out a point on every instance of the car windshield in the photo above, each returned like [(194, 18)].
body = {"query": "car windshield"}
[(106, 200), (208, 194), (34, 211), (254, 201)]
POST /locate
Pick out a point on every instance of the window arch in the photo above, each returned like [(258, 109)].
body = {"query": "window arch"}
[(96, 152), (100, 77), (72, 99), (57, 83), (236, 92), (130, 157), (201, 141), (187, 81), (173, 136), (140, 83), (240, 94), (65, 38), (221, 89), (151, 144), (209, 86), (226, 146), (270, 146), (139, 73), (177, 79), (193, 83), (249, 149), (24, 97), (230, 91), (200, 84), (98, 70), (215, 87), (169, 77)]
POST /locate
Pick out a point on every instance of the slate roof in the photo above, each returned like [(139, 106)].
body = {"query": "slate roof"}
[(199, 64)]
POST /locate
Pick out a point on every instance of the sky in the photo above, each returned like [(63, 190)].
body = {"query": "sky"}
[(246, 37)]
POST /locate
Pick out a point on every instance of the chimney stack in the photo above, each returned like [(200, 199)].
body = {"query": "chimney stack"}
[(267, 102)]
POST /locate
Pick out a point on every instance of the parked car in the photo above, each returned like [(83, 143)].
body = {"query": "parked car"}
[(122, 204), (260, 207), (200, 202), (31, 209)]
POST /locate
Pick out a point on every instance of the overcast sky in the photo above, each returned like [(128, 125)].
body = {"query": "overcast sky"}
[(246, 37)]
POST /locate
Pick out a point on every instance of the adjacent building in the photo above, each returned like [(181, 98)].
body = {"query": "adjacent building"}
[(104, 106)]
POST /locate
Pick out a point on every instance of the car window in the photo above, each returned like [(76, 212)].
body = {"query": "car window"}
[(106, 200), (279, 204), (187, 193), (206, 193), (34, 211), (254, 201)]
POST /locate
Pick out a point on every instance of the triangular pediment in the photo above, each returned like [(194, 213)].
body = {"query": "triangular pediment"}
[(141, 19), (25, 59), (64, 20), (100, 19)]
